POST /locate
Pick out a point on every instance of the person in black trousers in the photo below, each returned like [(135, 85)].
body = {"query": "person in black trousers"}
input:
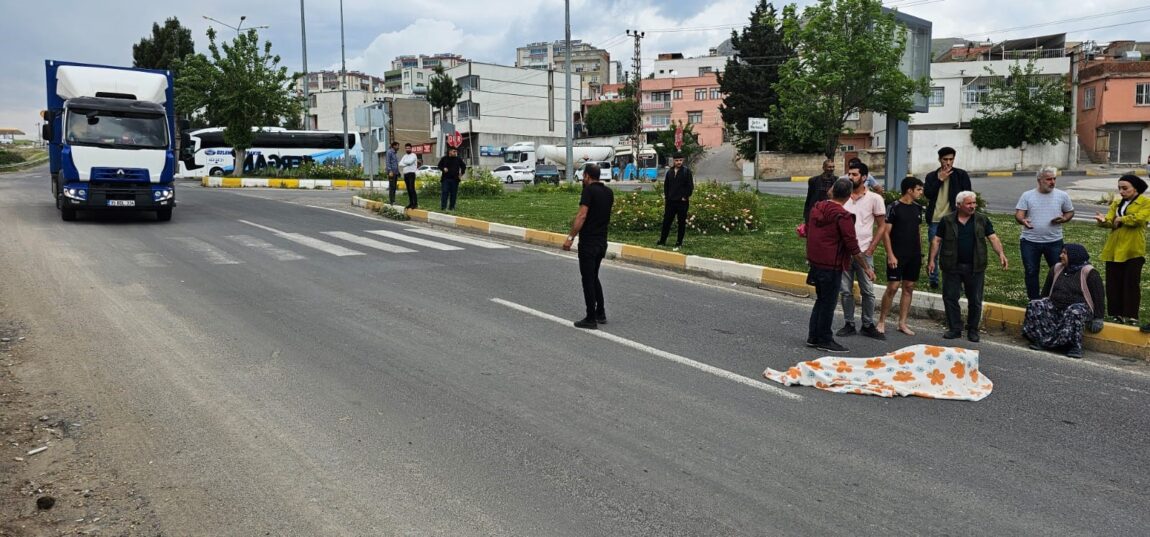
[(818, 187), (590, 226), (453, 168), (678, 186)]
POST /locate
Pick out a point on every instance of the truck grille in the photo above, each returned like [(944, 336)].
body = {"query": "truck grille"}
[(120, 174)]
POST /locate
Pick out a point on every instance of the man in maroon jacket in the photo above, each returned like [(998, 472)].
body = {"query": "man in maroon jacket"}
[(831, 246)]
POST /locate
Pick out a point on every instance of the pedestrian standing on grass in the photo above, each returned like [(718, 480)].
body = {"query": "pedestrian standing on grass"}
[(959, 248), (941, 188), (1041, 213), (391, 167), (1125, 249), (870, 214), (410, 165), (903, 243), (452, 168), (831, 249), (590, 226), (678, 186), (818, 187)]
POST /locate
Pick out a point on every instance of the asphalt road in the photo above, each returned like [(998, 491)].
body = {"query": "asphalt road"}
[(252, 378)]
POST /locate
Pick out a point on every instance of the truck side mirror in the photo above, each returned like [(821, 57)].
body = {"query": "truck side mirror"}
[(183, 124), (46, 132)]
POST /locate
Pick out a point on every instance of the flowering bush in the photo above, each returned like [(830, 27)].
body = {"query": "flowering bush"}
[(309, 170), (548, 188), (715, 209), (478, 185)]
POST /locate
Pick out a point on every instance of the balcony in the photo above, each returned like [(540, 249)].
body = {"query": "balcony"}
[(655, 106)]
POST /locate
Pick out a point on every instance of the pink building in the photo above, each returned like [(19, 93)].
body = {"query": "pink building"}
[(691, 100)]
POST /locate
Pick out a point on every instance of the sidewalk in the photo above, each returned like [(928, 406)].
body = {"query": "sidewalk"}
[(1114, 339)]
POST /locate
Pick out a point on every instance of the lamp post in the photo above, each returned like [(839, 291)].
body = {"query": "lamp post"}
[(306, 76), (343, 85), (567, 99), (238, 27)]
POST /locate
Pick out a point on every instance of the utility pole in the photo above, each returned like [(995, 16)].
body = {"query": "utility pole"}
[(1072, 157), (343, 85), (567, 98), (306, 77), (637, 64)]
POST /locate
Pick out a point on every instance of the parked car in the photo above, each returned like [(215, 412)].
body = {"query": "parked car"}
[(430, 170), (604, 170), (546, 173), (511, 173)]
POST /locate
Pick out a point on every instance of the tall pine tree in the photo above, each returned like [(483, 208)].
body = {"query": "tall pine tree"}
[(168, 43), (749, 78)]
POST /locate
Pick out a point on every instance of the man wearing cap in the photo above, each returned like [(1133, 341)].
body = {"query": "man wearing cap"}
[(678, 186)]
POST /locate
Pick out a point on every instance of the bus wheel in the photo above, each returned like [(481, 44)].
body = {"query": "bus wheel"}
[(217, 172), (164, 215), (68, 214)]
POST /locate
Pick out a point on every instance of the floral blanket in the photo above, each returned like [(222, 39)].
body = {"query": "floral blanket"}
[(920, 370)]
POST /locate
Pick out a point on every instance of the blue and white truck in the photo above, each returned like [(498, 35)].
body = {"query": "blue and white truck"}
[(111, 136)]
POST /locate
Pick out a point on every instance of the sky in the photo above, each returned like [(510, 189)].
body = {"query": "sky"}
[(376, 31)]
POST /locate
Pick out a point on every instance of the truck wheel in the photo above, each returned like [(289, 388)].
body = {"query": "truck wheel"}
[(68, 214), (164, 215)]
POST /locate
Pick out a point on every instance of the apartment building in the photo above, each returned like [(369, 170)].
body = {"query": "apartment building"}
[(693, 100), (591, 64), (1113, 123), (673, 64), (446, 60)]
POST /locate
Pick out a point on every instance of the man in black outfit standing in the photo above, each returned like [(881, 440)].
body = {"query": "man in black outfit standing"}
[(452, 168), (591, 227), (818, 187), (678, 186), (941, 187)]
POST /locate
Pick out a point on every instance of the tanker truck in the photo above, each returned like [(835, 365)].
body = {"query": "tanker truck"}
[(528, 154)]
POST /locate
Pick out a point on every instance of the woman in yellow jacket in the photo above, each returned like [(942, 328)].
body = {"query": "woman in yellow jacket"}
[(1125, 250)]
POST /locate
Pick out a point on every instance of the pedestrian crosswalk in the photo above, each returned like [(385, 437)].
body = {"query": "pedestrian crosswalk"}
[(283, 245)]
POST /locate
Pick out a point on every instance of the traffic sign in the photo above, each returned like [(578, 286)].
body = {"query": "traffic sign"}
[(757, 124), (455, 139)]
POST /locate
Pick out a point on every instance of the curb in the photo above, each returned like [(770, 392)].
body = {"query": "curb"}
[(311, 184), (1114, 339)]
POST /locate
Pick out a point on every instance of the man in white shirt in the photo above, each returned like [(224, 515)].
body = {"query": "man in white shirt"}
[(1041, 212), (409, 164), (869, 210)]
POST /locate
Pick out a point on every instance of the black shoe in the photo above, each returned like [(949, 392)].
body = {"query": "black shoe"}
[(660, 243), (587, 323), (972, 335), (1037, 347), (831, 346), (811, 343), (934, 285), (872, 332), (847, 330), (1075, 352), (601, 318), (952, 334)]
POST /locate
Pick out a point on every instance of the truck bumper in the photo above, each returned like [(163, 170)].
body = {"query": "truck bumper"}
[(90, 197)]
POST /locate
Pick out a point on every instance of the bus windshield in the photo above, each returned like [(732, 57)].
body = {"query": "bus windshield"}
[(122, 130)]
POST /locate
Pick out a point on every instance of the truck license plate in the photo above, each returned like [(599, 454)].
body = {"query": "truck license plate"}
[(121, 203)]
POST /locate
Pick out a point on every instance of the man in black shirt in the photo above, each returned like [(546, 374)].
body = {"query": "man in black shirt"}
[(818, 186), (677, 189), (903, 243), (590, 226), (452, 168)]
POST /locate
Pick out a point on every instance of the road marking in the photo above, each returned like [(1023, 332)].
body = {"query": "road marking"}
[(214, 255), (277, 253), (323, 246), (340, 211), (723, 373), (413, 240), (458, 238), (370, 243)]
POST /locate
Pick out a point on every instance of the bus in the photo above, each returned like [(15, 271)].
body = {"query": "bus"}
[(204, 152)]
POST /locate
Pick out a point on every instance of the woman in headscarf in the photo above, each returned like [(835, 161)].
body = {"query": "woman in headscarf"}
[(1072, 299), (1125, 249)]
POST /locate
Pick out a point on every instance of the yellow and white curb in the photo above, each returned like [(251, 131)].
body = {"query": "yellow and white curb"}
[(309, 184), (1115, 339)]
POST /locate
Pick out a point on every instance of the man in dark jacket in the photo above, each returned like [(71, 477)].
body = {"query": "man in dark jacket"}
[(945, 183), (831, 246), (818, 186), (677, 189), (452, 168)]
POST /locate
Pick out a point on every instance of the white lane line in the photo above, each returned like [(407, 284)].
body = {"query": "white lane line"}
[(340, 211), (458, 238), (259, 245), (310, 242), (413, 240), (214, 255), (370, 243), (722, 373)]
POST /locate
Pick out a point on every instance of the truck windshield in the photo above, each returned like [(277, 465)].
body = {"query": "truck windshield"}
[(116, 129), (514, 157)]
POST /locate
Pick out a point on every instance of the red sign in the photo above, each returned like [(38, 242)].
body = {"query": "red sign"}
[(679, 138), (421, 149), (454, 139)]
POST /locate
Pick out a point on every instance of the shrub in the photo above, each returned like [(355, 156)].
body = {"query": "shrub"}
[(9, 157), (549, 188), (472, 186), (310, 170), (715, 209), (387, 211)]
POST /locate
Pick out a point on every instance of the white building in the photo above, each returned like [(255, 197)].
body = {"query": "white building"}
[(674, 65), (503, 105)]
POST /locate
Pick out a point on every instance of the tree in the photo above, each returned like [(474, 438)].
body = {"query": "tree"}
[(1026, 107), (611, 117), (848, 61), (168, 44), (665, 144), (443, 92), (240, 88), (749, 78)]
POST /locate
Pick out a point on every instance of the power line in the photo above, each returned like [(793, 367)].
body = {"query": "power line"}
[(1072, 19)]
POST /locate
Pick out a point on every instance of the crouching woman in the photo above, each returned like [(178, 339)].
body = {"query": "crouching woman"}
[(1071, 299)]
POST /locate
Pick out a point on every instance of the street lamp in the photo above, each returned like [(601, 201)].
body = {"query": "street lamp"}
[(237, 27), (343, 86)]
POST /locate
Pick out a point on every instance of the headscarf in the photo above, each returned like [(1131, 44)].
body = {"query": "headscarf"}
[(1135, 181), (1076, 258)]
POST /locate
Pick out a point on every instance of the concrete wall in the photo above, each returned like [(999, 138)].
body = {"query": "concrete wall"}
[(926, 143), (773, 165)]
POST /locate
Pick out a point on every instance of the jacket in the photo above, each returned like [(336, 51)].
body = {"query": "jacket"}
[(1128, 241), (831, 241), (948, 247), (1064, 290), (452, 168), (959, 181), (677, 186)]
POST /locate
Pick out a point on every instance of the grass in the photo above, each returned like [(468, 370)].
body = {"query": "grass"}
[(775, 243)]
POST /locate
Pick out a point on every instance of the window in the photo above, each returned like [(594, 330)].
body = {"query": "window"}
[(853, 115), (1088, 98), (973, 95), (937, 96), (467, 110), (660, 96), (695, 117), (1142, 94), (701, 94), (677, 95), (469, 83), (660, 121), (716, 94), (704, 70)]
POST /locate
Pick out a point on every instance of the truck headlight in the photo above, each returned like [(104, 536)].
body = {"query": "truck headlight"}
[(162, 195), (76, 193)]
